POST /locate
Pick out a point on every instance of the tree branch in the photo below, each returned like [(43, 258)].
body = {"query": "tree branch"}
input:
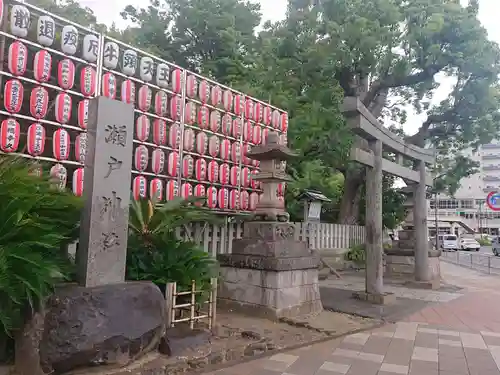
[(391, 81)]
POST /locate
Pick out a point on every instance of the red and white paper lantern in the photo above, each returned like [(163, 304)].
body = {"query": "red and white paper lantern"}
[(42, 66), (109, 85), (236, 152), (223, 199), (247, 131), (214, 146), (61, 144), (127, 92), (200, 170), (237, 128), (235, 175), (284, 122), (77, 183), (59, 175), (227, 100), (255, 184), (216, 96), (213, 171), (252, 201), (142, 126), (159, 132), (275, 119), (212, 197), (139, 187), (36, 139), (187, 166), (39, 102), (245, 177), (225, 149), (66, 74), (249, 104), (177, 81), (200, 192), (189, 140), (201, 143), (226, 124), (81, 147), (244, 158), (266, 116), (10, 132), (244, 198), (83, 113), (239, 104), (161, 103), (191, 86), (173, 164), (224, 173), (257, 112), (88, 81), (190, 113), (144, 98), (215, 121), (174, 136), (186, 190), (141, 158), (257, 135), (265, 134), (204, 92), (17, 58), (175, 108), (63, 107), (234, 200), (156, 189), (172, 190), (203, 117), (13, 96), (157, 161)]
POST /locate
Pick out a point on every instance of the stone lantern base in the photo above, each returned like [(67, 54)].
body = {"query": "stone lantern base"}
[(269, 273), (400, 260)]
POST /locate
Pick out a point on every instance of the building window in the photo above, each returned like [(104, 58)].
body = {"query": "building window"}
[(466, 203)]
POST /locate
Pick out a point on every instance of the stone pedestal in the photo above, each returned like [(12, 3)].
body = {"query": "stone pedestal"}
[(269, 273), (400, 260)]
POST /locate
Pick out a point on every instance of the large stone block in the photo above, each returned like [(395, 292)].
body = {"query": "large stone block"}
[(111, 324), (404, 266), (269, 263), (269, 279)]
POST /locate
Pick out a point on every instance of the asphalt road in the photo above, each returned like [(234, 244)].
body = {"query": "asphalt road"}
[(481, 260)]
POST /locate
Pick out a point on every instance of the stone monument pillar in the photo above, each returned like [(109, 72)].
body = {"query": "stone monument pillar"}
[(270, 273), (400, 259)]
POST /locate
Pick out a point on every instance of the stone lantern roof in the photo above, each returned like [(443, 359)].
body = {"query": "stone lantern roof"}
[(272, 150)]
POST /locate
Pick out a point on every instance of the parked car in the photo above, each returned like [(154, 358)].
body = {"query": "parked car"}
[(448, 242), (469, 244)]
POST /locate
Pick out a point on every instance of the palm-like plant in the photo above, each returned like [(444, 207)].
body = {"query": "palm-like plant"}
[(154, 251), (36, 220)]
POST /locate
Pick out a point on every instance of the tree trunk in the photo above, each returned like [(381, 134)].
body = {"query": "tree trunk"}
[(349, 206)]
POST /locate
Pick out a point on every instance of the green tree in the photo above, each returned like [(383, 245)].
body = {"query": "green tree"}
[(376, 49)]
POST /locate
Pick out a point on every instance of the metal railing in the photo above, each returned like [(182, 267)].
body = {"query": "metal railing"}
[(483, 262)]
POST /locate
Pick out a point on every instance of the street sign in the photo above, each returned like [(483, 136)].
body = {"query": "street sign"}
[(493, 200)]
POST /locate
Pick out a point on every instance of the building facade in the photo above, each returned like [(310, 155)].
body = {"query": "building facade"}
[(468, 206)]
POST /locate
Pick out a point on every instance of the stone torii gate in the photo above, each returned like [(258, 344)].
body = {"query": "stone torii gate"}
[(379, 139)]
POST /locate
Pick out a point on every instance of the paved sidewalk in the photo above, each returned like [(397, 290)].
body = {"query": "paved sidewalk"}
[(458, 336)]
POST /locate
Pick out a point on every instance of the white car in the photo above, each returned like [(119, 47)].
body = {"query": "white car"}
[(469, 244)]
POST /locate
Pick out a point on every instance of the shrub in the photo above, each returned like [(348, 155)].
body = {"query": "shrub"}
[(36, 220), (356, 254), (484, 241), (154, 251)]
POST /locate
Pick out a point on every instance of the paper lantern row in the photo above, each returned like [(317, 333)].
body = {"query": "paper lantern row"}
[(221, 198)]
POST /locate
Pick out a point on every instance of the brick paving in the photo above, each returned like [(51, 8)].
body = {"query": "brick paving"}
[(459, 336)]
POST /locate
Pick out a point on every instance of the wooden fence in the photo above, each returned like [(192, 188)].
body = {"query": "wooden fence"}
[(218, 239)]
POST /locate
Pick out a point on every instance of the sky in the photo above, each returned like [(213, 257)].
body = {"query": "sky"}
[(108, 11)]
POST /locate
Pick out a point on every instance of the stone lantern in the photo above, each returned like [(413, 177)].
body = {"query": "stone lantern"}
[(272, 157), (270, 272)]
